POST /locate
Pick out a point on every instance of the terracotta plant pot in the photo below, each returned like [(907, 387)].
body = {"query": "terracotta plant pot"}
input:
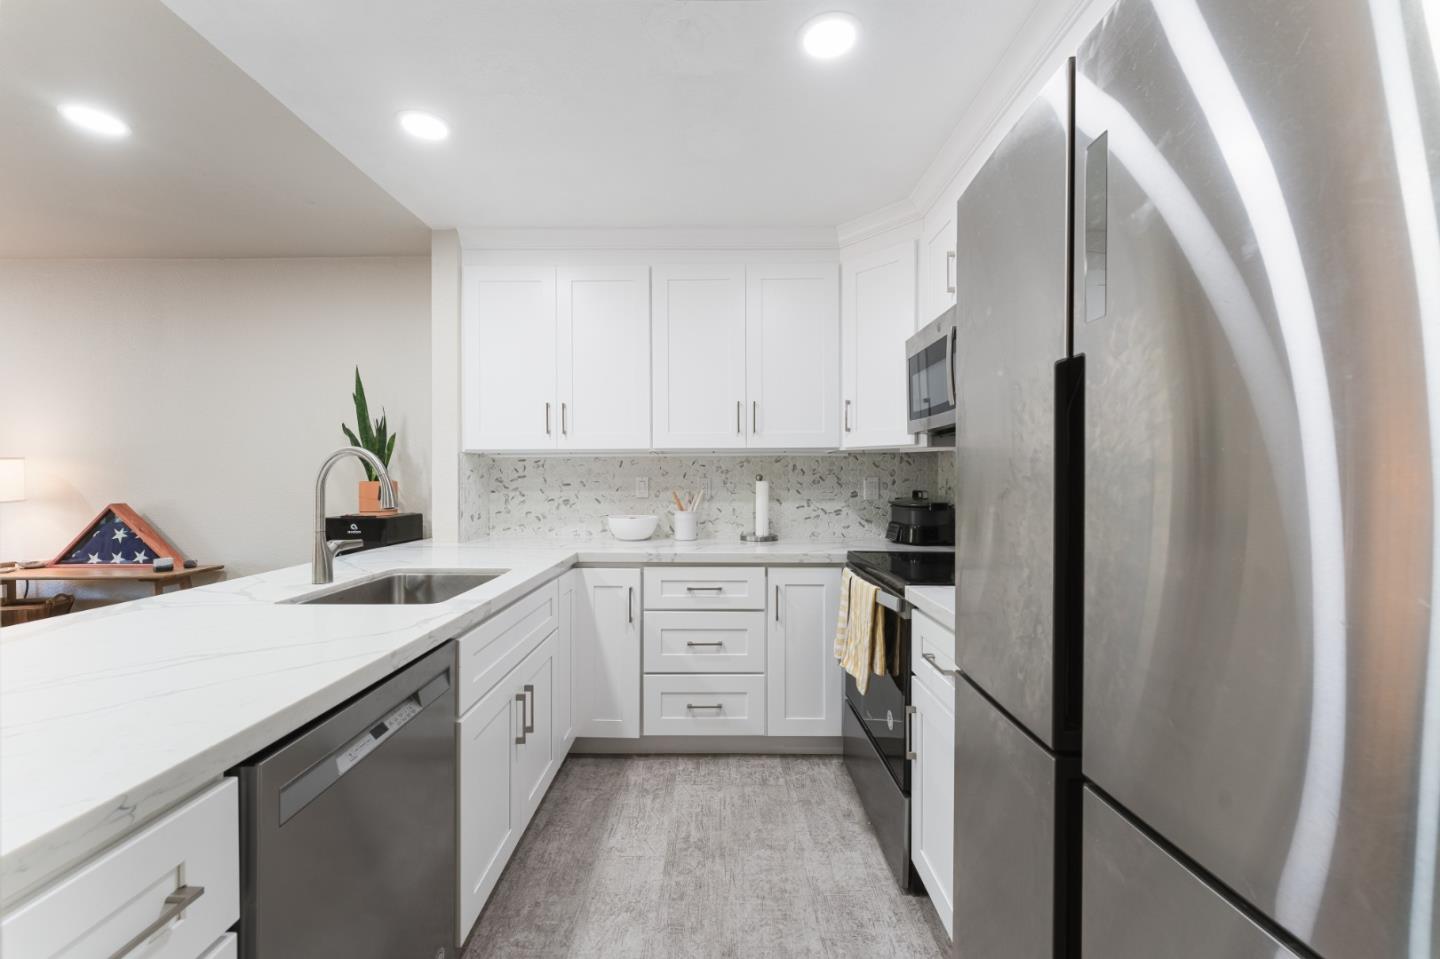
[(370, 496)]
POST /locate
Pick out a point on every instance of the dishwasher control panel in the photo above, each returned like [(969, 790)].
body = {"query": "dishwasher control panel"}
[(376, 735)]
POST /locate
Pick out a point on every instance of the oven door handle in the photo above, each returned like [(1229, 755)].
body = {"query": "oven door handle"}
[(896, 604)]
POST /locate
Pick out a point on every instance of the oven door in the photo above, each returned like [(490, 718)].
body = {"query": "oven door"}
[(929, 377), (882, 708)]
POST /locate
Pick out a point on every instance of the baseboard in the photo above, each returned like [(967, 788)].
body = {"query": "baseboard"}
[(728, 745)]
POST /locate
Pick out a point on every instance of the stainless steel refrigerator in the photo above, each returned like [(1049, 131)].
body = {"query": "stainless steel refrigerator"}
[(1256, 305)]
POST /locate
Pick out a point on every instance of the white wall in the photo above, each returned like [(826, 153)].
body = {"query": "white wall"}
[(205, 393)]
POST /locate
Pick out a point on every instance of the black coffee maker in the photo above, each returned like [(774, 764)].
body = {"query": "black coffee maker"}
[(921, 521)]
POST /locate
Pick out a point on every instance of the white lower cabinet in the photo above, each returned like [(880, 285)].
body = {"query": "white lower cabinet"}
[(704, 704), (607, 653), (508, 759), (802, 675), (168, 892), (565, 665), (704, 641), (932, 791), (228, 947)]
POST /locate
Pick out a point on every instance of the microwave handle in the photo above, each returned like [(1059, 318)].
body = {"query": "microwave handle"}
[(950, 342)]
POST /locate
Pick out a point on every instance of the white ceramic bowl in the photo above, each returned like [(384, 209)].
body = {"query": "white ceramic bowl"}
[(632, 527)]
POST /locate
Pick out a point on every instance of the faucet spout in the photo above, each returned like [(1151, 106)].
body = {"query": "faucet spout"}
[(322, 564)]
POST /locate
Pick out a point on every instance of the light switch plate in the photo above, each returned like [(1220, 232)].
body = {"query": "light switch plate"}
[(642, 486), (870, 488)]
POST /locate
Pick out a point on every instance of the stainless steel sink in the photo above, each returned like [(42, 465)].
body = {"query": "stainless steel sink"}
[(404, 589)]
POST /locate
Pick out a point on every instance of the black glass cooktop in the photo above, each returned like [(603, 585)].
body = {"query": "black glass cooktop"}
[(896, 569)]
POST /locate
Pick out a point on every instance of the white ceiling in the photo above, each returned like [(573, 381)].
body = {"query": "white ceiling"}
[(215, 167), (623, 113)]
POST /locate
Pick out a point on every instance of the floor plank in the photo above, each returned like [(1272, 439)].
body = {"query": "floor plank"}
[(711, 857)]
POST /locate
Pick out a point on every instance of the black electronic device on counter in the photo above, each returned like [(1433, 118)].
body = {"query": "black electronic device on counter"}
[(376, 529), (921, 521)]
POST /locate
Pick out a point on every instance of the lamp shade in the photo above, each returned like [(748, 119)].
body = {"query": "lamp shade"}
[(12, 479)]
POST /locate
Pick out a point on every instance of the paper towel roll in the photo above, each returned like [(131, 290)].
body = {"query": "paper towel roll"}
[(762, 506)]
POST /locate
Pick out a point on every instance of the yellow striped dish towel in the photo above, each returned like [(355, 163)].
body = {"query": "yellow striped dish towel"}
[(859, 633)]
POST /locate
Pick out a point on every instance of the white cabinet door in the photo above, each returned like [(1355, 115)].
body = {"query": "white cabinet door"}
[(802, 677), (535, 758), (792, 341), (877, 316), (507, 358), (607, 653), (698, 335), (603, 327), (932, 799), (491, 818), (937, 269), (565, 666)]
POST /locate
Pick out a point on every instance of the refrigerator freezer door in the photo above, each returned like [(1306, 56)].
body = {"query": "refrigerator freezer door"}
[(1012, 282), (1141, 903), (1255, 184), (1004, 835)]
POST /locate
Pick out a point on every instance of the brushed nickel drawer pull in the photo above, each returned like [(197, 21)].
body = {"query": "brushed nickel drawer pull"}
[(530, 697), (175, 903), (714, 643), (704, 589), (704, 706)]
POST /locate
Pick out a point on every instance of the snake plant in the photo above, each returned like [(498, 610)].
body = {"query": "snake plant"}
[(375, 437)]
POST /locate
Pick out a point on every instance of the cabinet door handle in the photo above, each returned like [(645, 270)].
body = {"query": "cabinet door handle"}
[(754, 416), (715, 643), (704, 589), (175, 903), (777, 602), (930, 658), (630, 604), (909, 747), (949, 274), (530, 695), (564, 421), (547, 417), (520, 739), (847, 416), (704, 705), (738, 430)]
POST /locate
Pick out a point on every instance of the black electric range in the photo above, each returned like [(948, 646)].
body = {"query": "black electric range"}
[(877, 721)]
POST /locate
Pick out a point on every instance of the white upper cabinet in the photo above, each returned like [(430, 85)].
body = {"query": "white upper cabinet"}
[(878, 315), (698, 334), (508, 358), (603, 329), (937, 265), (792, 326)]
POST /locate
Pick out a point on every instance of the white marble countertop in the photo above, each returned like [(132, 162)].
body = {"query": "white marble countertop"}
[(937, 602), (111, 716)]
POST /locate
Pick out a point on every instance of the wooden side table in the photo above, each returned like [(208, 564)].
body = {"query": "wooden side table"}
[(104, 574)]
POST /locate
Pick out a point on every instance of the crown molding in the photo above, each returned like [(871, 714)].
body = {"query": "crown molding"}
[(645, 238), (977, 128), (883, 220)]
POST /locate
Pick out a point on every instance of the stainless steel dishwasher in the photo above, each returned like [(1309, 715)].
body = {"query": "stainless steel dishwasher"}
[(348, 827)]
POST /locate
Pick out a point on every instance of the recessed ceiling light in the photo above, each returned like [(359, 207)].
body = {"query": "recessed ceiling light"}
[(424, 126), (94, 120), (830, 35)]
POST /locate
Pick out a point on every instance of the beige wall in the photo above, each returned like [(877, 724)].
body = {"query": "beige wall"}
[(205, 393)]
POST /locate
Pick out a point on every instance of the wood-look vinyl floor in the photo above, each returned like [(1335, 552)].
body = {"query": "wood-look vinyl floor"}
[(666, 857)]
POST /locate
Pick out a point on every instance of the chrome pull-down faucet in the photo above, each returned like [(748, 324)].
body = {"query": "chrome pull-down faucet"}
[(322, 563)]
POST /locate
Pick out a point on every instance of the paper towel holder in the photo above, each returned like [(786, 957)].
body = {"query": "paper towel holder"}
[(766, 537)]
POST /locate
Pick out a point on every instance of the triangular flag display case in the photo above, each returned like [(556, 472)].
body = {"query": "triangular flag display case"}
[(117, 536)]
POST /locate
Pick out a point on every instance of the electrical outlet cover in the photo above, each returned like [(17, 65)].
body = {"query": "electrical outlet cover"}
[(642, 486), (870, 488)]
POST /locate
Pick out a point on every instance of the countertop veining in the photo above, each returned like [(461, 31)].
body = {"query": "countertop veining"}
[(111, 716)]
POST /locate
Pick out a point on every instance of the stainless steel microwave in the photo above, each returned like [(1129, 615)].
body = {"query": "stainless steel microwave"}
[(930, 376)]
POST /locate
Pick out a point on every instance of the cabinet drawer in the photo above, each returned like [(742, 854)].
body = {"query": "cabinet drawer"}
[(705, 705), (704, 641), (932, 657), (496, 646), (705, 587), (228, 947), (101, 906)]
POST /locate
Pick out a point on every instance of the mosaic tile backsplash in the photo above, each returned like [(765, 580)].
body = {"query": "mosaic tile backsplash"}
[(811, 497)]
